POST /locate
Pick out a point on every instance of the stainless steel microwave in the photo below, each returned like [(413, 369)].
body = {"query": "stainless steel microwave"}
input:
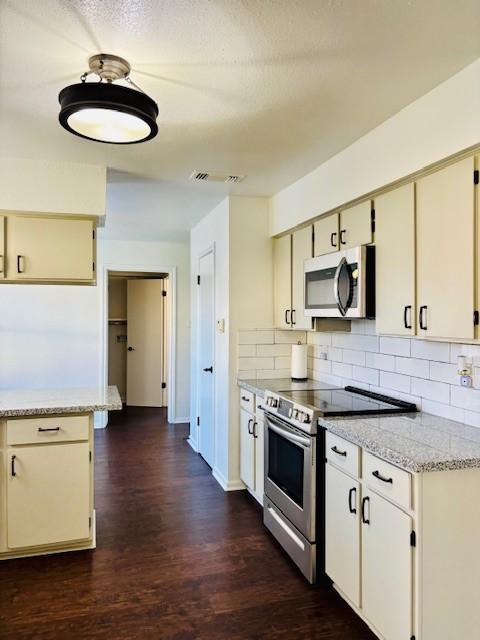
[(341, 284)]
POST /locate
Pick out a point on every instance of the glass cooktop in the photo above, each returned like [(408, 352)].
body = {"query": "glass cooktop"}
[(329, 401)]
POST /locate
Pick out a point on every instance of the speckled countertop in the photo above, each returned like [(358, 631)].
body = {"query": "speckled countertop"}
[(31, 402), (417, 442)]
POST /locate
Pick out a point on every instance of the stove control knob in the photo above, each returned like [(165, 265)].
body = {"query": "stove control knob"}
[(298, 415), (306, 418)]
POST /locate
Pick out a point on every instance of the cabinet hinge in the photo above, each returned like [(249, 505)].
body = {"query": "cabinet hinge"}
[(372, 220), (164, 385), (89, 456), (476, 176), (198, 421), (476, 317), (164, 294), (413, 539), (198, 279), (89, 523)]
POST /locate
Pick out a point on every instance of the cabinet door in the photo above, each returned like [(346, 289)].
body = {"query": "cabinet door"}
[(259, 430), (395, 261), (48, 498), (342, 532), (282, 263), (386, 567), (2, 247), (445, 253), (356, 226), (326, 235), (247, 449), (302, 248), (49, 249)]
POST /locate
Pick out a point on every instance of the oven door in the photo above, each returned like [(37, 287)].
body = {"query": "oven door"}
[(335, 285), (290, 473)]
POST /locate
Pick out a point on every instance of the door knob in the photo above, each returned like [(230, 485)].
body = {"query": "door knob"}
[(209, 369), (131, 349)]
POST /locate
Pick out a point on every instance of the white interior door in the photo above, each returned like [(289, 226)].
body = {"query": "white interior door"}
[(206, 344), (145, 343)]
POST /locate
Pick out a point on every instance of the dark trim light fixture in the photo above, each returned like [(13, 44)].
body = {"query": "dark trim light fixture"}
[(107, 112)]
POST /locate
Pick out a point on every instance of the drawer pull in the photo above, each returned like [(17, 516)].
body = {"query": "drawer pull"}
[(12, 467), (45, 429), (377, 475), (245, 399), (20, 268), (351, 493), (364, 519), (338, 452), (248, 427)]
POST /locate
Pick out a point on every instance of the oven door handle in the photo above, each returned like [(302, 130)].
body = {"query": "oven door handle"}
[(288, 435)]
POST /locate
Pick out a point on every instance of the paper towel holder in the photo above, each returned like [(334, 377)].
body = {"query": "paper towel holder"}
[(299, 362)]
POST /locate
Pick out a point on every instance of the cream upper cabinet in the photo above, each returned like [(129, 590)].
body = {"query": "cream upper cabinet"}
[(48, 494), (395, 261), (342, 532), (282, 261), (50, 249), (2, 247), (445, 252), (302, 248), (356, 226), (326, 238), (387, 581), (247, 449)]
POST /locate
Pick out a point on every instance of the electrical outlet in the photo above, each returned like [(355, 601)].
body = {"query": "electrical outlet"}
[(466, 381), (323, 355)]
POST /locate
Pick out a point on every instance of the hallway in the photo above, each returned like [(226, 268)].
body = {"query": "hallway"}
[(177, 558)]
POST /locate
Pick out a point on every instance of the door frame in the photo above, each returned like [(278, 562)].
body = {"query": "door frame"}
[(171, 330), (196, 445)]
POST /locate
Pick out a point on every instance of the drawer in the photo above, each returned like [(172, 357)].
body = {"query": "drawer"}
[(388, 480), (343, 454), (47, 429), (247, 400)]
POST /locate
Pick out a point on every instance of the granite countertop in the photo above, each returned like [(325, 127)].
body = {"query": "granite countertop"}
[(276, 384), (416, 442), (31, 402)]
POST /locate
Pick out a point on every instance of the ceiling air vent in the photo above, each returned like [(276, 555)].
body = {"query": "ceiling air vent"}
[(204, 176)]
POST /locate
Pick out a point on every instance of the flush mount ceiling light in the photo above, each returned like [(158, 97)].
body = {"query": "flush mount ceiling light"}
[(107, 112)]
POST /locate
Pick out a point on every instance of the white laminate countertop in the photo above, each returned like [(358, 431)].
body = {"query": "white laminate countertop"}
[(32, 402), (417, 442)]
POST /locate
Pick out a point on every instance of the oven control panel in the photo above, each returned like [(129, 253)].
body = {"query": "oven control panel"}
[(298, 415)]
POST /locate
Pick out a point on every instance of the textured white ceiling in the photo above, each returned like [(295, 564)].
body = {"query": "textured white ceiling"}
[(266, 88)]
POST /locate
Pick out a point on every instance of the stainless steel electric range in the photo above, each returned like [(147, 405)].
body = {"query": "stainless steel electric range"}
[(295, 463)]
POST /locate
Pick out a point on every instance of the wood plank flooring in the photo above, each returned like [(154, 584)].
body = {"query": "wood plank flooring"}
[(177, 558)]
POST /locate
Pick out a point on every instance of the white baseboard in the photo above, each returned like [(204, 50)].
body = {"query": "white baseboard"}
[(180, 420), (227, 485), (193, 444), (100, 419)]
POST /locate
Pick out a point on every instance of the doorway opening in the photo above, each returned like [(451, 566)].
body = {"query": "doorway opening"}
[(138, 336)]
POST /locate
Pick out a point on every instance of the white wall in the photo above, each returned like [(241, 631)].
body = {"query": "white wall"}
[(442, 122), (53, 187)]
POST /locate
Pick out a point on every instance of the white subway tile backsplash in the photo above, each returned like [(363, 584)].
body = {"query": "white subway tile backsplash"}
[(395, 381), (271, 374), (342, 370), (412, 367), (247, 350), (255, 337), (255, 363), (290, 337), (438, 351), (335, 354), (472, 351), (380, 361), (438, 391), (247, 375), (443, 410), (444, 372), (468, 399), (265, 350), (320, 366), (319, 337), (395, 346), (366, 343), (363, 374), (354, 357), (283, 362)]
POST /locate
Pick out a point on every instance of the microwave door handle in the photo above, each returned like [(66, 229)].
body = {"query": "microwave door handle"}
[(336, 292), (305, 442)]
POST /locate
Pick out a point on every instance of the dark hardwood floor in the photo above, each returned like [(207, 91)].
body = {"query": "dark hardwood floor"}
[(176, 558)]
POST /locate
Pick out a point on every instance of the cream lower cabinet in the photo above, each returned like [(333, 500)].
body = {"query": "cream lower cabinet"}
[(46, 502), (2, 247), (251, 445)]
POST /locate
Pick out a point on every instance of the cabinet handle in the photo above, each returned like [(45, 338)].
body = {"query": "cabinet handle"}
[(19, 260), (294, 317), (12, 467), (333, 239), (408, 308), (342, 236), (248, 427), (255, 425), (338, 452), (351, 493), (422, 316), (377, 475), (43, 429), (364, 502), (245, 399), (287, 319)]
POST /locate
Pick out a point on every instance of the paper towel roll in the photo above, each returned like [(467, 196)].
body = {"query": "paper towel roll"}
[(299, 361)]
